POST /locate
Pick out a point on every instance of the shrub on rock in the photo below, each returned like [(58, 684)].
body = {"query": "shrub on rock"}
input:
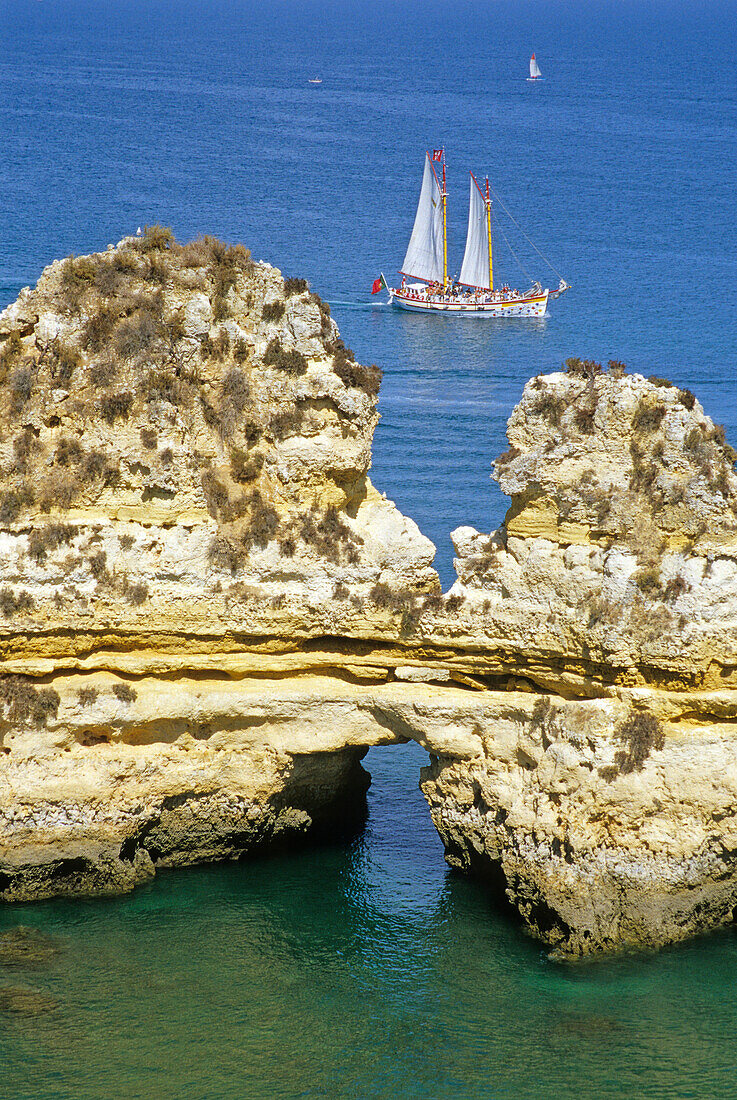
[(272, 311), (291, 362)]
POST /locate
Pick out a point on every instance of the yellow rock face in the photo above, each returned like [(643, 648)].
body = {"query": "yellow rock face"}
[(209, 613), (184, 513), (608, 796)]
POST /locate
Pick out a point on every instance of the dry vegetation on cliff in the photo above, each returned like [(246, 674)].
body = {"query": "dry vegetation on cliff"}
[(209, 612), (179, 377), (624, 513), (184, 512)]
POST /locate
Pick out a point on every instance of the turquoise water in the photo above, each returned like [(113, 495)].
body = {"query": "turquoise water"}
[(359, 972), (368, 970)]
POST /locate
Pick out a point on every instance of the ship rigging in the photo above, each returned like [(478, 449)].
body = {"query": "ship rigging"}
[(426, 259)]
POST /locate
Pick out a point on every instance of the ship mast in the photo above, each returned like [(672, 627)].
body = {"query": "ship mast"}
[(488, 228), (445, 229)]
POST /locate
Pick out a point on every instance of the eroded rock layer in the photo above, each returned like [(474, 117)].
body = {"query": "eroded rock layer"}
[(185, 519), (209, 613), (606, 794)]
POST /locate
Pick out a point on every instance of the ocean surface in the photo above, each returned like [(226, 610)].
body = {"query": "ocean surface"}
[(369, 970)]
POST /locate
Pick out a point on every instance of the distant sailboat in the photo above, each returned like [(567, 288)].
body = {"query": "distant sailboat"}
[(535, 73)]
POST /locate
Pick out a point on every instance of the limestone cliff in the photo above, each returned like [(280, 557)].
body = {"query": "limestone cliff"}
[(209, 614), (185, 518), (605, 789)]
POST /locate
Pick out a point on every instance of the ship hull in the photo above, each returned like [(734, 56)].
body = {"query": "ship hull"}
[(520, 307)]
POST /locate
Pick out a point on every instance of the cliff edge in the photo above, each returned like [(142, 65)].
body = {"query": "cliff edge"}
[(605, 789), (210, 614), (186, 522)]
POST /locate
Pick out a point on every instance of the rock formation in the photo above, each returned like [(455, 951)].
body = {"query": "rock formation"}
[(187, 534), (605, 789), (209, 613)]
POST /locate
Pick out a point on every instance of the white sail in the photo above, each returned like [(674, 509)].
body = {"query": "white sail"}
[(534, 68), (424, 259), (475, 266)]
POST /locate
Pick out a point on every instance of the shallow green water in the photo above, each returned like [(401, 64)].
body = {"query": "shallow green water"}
[(370, 971)]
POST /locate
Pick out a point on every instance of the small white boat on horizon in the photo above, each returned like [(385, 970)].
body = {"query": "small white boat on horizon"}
[(427, 260), (535, 73), (315, 80)]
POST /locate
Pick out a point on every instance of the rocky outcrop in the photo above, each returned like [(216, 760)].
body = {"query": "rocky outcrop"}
[(606, 790), (209, 613), (188, 534)]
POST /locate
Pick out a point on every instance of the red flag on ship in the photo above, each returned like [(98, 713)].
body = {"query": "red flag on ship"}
[(437, 154), (378, 284)]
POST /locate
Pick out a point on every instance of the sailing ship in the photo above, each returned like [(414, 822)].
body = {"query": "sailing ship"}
[(427, 260), (535, 73)]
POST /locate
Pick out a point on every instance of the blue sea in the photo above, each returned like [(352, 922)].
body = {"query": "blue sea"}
[(369, 970)]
